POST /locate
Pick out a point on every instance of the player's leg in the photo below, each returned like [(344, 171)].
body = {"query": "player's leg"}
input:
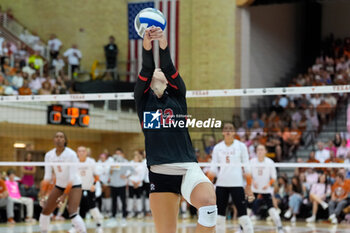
[(198, 190), (94, 211), (165, 210), (146, 190), (238, 197), (139, 209), (272, 211), (83, 207), (49, 207), (122, 195), (222, 196), (130, 205), (73, 204), (204, 199), (114, 201)]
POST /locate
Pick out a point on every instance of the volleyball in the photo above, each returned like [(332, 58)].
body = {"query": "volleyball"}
[(149, 17)]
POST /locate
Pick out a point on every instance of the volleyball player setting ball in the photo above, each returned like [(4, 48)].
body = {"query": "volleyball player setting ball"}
[(230, 179), (68, 184), (170, 156)]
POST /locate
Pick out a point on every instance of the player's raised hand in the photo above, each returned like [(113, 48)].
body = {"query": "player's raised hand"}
[(158, 34), (147, 40)]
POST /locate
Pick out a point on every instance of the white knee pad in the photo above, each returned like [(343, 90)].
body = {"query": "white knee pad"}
[(246, 224), (194, 176), (207, 215)]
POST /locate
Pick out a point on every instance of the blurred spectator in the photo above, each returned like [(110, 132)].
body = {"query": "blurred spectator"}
[(312, 158), (254, 119), (321, 154), (13, 190), (17, 80), (6, 201), (342, 150), (58, 65), (22, 55), (25, 90), (337, 141), (74, 56), (111, 54), (281, 192), (332, 172), (46, 88), (318, 194), (324, 110), (35, 83), (315, 100), (340, 192), (209, 148), (29, 69), (311, 177), (297, 191), (28, 172), (54, 45), (118, 182)]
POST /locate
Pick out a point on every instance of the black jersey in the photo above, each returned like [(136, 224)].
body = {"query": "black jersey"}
[(163, 144)]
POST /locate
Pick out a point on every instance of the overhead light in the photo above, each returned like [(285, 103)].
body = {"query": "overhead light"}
[(19, 145)]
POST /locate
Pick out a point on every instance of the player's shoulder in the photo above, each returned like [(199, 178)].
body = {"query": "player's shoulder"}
[(254, 160), (50, 153), (219, 145), (70, 152), (240, 144), (90, 160), (268, 160)]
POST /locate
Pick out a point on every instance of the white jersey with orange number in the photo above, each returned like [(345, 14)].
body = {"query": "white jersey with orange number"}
[(87, 173), (236, 153), (64, 173), (262, 173)]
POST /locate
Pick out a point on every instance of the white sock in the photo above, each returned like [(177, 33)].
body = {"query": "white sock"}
[(139, 205), (246, 224), (183, 206), (109, 204), (44, 222), (147, 207), (221, 224), (275, 217), (95, 213), (79, 224), (104, 204), (130, 205)]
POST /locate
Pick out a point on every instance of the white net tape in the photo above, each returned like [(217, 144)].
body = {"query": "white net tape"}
[(190, 94), (285, 165)]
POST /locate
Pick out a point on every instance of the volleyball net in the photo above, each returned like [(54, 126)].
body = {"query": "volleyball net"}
[(104, 122)]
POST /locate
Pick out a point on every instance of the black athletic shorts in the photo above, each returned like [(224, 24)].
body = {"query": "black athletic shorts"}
[(160, 183), (87, 202), (238, 198), (74, 186)]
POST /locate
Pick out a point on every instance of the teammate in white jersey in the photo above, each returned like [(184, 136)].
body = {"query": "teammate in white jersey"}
[(264, 176), (135, 185), (230, 179), (89, 177), (68, 184)]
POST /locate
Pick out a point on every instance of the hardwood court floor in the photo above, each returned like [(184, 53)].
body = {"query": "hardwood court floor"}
[(184, 226)]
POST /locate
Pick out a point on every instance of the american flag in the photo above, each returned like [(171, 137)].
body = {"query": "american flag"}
[(170, 9)]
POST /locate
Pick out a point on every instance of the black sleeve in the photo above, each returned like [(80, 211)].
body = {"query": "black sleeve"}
[(144, 79), (174, 79)]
